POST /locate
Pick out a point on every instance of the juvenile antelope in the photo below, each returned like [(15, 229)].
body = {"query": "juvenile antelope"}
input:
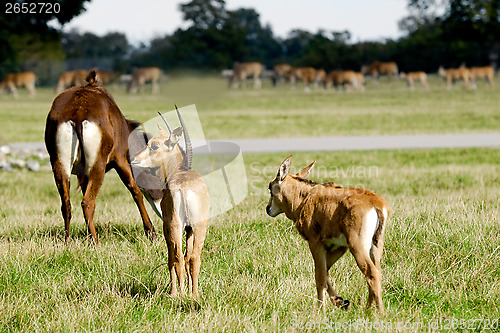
[(185, 205), (87, 135), (333, 219)]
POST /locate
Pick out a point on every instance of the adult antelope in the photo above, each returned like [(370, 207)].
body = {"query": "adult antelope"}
[(14, 80), (485, 72), (333, 219), (452, 75), (411, 77), (185, 204), (241, 71), (338, 78), (281, 71), (305, 74), (87, 135), (71, 78), (377, 68), (141, 76)]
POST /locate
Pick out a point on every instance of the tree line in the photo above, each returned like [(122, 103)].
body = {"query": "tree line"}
[(437, 32)]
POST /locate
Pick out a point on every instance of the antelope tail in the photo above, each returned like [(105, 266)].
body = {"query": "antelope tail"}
[(380, 227)]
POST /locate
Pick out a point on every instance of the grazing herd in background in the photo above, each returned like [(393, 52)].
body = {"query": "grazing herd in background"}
[(348, 80)]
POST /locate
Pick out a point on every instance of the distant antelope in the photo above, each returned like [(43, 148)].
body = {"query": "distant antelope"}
[(185, 204), (241, 71), (377, 68), (71, 78), (452, 75), (485, 72), (87, 135), (411, 77), (333, 219), (141, 76), (14, 80), (305, 74)]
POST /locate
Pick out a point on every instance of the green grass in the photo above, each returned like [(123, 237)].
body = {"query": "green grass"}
[(384, 109), (440, 262)]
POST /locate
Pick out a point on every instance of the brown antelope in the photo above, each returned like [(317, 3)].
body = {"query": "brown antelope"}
[(338, 78), (71, 78), (411, 77), (452, 75), (87, 135), (281, 71), (360, 81), (486, 72), (185, 205), (305, 74), (14, 80), (141, 76), (241, 71), (333, 219), (381, 68)]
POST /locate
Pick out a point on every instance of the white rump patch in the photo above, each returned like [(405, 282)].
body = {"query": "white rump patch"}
[(91, 136), (384, 211), (67, 146), (368, 230)]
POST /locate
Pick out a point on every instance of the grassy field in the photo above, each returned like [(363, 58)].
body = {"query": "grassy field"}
[(384, 109), (440, 262), (442, 247)]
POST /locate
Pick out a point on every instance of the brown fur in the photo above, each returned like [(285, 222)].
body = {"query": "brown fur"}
[(381, 68), (411, 77), (241, 71), (486, 72), (140, 76), (14, 80), (452, 75), (323, 215), (94, 104), (187, 186)]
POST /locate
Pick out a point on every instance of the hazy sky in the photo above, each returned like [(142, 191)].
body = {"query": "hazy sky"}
[(144, 19)]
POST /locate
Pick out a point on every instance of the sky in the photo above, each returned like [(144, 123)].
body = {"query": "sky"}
[(145, 19)]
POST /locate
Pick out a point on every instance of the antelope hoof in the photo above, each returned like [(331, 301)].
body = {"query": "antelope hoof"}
[(341, 303)]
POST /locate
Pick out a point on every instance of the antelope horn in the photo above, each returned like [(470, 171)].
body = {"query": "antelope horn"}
[(166, 122), (187, 140)]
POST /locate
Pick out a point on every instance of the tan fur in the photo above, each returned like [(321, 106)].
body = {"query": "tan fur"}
[(91, 104), (281, 71), (163, 152), (326, 215), (486, 72), (381, 68), (411, 77), (452, 75), (346, 79), (243, 70), (106, 77), (71, 78), (305, 74), (141, 76), (14, 80)]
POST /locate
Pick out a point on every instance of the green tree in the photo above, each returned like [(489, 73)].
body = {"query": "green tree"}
[(26, 38)]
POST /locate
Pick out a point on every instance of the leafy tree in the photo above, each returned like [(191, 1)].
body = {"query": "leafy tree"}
[(28, 37)]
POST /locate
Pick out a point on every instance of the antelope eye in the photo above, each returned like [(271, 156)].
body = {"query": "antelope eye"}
[(154, 146)]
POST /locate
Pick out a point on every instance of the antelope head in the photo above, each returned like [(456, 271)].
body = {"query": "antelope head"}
[(278, 196), (161, 151)]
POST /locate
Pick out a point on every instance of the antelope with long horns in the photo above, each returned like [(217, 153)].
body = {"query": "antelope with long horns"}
[(333, 219), (185, 203), (86, 134)]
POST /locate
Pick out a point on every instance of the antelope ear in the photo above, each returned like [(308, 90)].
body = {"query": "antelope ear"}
[(176, 135), (284, 169), (306, 171), (163, 133)]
